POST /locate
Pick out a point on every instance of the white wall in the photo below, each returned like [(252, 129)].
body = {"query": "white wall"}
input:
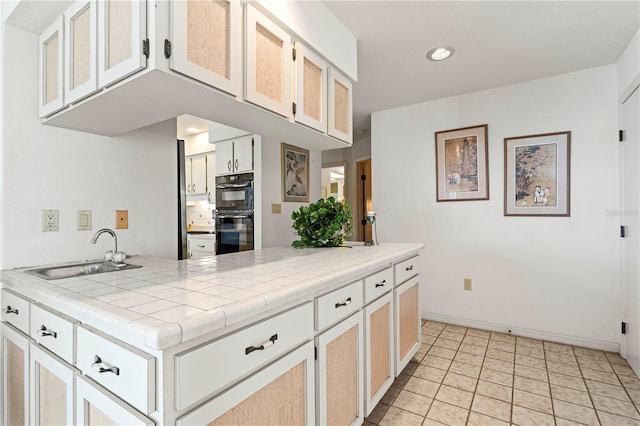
[(51, 168), (629, 67), (197, 144), (276, 228), (557, 278)]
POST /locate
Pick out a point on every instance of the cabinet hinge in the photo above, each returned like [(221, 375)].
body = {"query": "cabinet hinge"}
[(623, 231), (293, 108), (294, 54), (145, 48), (167, 48), (623, 329), (620, 135), (315, 352)]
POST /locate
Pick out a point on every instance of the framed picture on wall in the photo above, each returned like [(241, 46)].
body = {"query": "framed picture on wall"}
[(462, 164), (295, 173), (537, 175)]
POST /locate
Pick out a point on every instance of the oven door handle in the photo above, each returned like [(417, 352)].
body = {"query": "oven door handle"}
[(233, 185), (234, 216)]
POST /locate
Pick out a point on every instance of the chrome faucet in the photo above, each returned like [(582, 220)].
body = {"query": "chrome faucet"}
[(109, 231)]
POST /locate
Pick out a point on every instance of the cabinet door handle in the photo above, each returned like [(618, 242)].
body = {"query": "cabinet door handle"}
[(410, 268), (10, 310), (263, 346), (381, 284), (98, 366), (345, 303), (237, 165), (229, 165), (43, 332)]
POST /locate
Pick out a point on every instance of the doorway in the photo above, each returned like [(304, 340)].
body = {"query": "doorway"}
[(333, 182), (363, 200)]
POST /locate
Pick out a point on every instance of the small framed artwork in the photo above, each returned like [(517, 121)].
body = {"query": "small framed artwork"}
[(462, 164), (295, 173), (537, 175)]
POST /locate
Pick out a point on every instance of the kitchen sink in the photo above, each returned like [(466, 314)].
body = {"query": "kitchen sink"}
[(79, 269)]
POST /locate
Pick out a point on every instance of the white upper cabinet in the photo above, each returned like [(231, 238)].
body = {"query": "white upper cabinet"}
[(51, 88), (340, 106), (80, 59), (207, 42), (122, 35), (310, 88), (268, 64)]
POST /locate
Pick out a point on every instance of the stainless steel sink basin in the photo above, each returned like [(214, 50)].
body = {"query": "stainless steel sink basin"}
[(79, 269)]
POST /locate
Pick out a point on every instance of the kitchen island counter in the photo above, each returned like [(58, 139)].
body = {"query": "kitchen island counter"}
[(167, 302)]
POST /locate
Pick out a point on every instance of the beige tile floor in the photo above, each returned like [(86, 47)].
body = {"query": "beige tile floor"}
[(466, 376)]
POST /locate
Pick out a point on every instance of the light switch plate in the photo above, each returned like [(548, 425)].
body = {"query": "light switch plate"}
[(276, 208), (83, 220), (122, 219)]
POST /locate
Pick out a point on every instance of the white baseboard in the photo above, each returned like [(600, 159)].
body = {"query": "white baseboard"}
[(525, 332)]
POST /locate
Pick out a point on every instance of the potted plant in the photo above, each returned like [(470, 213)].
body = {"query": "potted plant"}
[(325, 223)]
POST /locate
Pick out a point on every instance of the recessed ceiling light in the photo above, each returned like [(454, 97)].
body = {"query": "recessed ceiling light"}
[(440, 53), (192, 129)]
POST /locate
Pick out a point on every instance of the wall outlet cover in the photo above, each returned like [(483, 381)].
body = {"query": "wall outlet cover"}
[(276, 208), (50, 220), (122, 219), (467, 283)]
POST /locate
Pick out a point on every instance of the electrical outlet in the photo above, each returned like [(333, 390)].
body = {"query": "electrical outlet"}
[(467, 283), (122, 219), (50, 220)]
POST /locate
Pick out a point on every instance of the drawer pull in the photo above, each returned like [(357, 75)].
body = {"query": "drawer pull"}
[(410, 268), (97, 365), (43, 332), (10, 310), (345, 303), (381, 284), (201, 246), (263, 346)]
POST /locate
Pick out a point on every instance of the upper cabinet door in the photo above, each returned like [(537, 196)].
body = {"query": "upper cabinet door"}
[(207, 42), (122, 32), (51, 73), (269, 64), (80, 51), (243, 155), (340, 106), (311, 88)]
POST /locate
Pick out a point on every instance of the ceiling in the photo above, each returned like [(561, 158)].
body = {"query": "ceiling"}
[(497, 43)]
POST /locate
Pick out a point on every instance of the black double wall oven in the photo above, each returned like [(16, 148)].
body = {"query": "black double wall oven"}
[(234, 213)]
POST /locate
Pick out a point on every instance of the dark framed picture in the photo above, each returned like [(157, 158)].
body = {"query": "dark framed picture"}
[(462, 164), (537, 175), (295, 173)]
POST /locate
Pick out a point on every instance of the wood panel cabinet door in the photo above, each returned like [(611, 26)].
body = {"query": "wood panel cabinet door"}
[(339, 372), (268, 64), (340, 106), (310, 88), (15, 376), (122, 33), (407, 320), (280, 394), (207, 42), (379, 353), (51, 69), (80, 52), (51, 389), (96, 406)]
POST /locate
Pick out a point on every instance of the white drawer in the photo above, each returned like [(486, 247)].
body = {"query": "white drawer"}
[(54, 331), (15, 310), (377, 284), (199, 244), (124, 370), (208, 369), (406, 269), (338, 304)]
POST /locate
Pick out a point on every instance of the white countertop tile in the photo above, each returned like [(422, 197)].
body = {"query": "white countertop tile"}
[(166, 302)]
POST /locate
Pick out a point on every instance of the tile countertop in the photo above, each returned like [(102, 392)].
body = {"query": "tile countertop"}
[(167, 302)]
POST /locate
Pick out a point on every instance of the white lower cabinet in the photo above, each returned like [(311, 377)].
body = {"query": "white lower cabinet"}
[(51, 389), (15, 376), (339, 371), (279, 394), (407, 322), (97, 406), (379, 353)]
